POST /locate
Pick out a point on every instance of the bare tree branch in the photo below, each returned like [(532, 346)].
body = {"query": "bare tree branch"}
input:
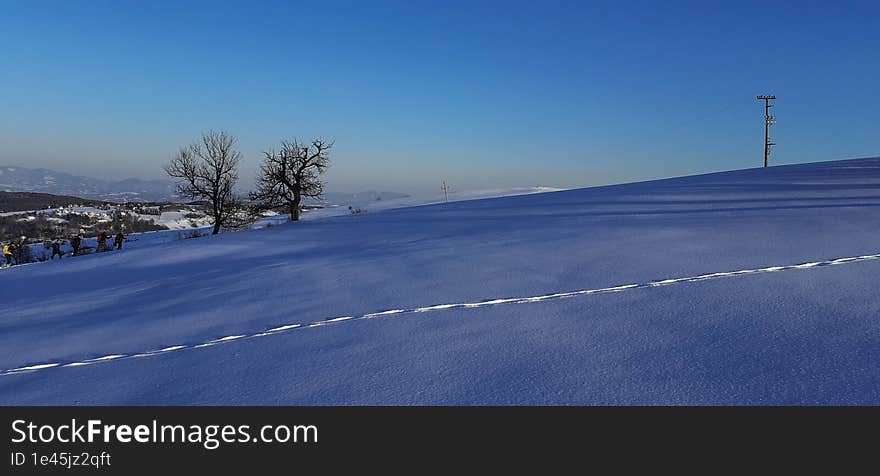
[(293, 173), (208, 170)]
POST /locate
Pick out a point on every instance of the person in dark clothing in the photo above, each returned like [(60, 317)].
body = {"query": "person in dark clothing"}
[(118, 240), (74, 243), (56, 250), (102, 242)]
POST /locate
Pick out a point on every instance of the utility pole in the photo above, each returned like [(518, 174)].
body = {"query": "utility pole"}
[(445, 191), (768, 121)]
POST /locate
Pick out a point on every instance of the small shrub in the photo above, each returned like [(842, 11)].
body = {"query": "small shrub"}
[(22, 254), (190, 235)]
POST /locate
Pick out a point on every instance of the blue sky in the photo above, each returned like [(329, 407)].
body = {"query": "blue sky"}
[(482, 94)]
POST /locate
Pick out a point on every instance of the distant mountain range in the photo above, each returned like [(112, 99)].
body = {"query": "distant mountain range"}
[(26, 201), (22, 179)]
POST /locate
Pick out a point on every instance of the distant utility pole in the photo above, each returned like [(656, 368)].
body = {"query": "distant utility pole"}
[(445, 191), (768, 121)]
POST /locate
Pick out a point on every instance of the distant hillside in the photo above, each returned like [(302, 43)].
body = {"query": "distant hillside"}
[(24, 201), (22, 179), (358, 198), (369, 195)]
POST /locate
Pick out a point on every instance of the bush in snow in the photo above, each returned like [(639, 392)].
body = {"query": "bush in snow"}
[(22, 253), (192, 234)]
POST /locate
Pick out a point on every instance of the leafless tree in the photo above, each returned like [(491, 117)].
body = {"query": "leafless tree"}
[(208, 170), (292, 174)]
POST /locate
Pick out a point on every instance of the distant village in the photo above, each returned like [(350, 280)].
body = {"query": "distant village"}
[(64, 222)]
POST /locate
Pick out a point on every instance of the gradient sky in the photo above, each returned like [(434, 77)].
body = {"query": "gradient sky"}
[(483, 94)]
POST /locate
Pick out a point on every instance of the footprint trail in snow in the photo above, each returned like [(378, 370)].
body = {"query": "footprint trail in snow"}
[(436, 307)]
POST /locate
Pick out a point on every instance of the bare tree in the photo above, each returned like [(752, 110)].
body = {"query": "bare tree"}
[(208, 170), (292, 174)]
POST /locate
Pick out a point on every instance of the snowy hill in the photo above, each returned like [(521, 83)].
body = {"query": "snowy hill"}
[(337, 204), (748, 287)]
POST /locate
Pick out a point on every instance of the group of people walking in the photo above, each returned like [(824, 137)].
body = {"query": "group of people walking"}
[(10, 250), (103, 238)]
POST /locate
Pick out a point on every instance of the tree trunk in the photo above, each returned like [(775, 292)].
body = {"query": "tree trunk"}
[(216, 221), (215, 205), (294, 209)]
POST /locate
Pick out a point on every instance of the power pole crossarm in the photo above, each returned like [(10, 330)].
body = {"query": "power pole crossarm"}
[(768, 121)]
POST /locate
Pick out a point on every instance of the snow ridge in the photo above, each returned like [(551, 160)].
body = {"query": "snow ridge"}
[(438, 307)]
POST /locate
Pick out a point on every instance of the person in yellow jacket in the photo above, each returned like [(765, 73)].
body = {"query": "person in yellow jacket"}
[(7, 253)]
